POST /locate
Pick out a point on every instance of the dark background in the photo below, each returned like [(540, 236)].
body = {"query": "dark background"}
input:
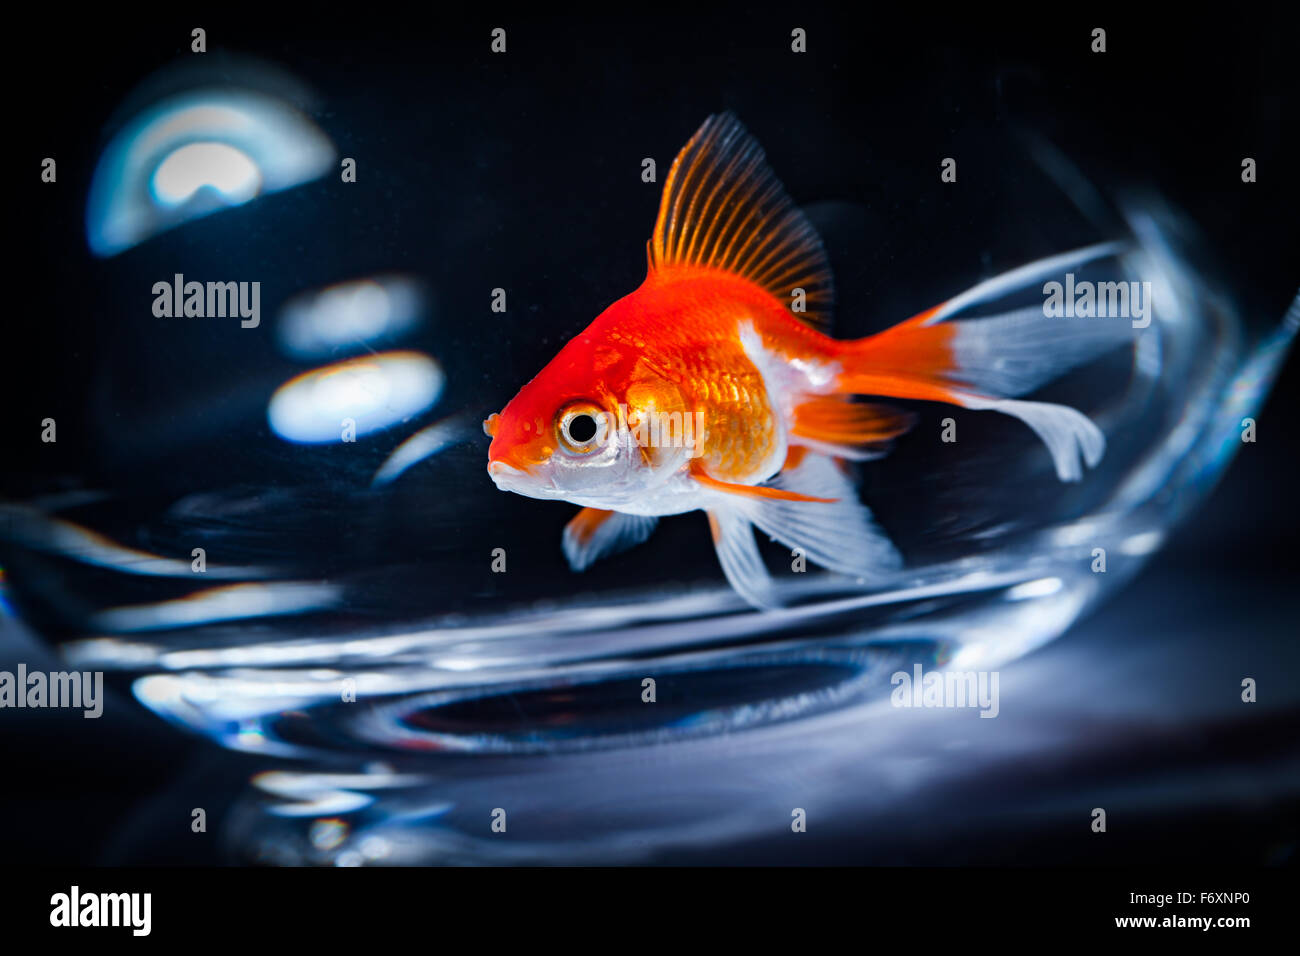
[(523, 171)]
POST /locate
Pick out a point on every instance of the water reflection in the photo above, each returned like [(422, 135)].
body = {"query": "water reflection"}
[(229, 603), (194, 154), (352, 398), (425, 443), (351, 316)]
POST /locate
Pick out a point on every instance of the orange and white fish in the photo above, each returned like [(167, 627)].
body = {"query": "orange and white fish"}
[(708, 388)]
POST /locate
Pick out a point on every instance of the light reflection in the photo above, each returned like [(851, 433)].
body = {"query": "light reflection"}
[(194, 154), (1145, 542), (231, 602), (318, 324), (327, 834), (1032, 589), (423, 444), (512, 639), (355, 397), (328, 794), (30, 528), (206, 165)]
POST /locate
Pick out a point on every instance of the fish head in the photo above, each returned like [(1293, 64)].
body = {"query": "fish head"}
[(570, 434)]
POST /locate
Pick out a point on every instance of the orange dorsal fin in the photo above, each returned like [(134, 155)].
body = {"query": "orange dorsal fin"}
[(722, 208)]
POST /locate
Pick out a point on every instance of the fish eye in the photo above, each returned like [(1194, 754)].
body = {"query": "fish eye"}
[(581, 427)]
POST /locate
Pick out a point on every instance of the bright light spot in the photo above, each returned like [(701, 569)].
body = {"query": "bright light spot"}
[(424, 443), (1070, 535), (1143, 543), (373, 392), (213, 165), (375, 848), (349, 314), (1034, 589), (250, 735), (327, 834), (194, 154), (225, 603)]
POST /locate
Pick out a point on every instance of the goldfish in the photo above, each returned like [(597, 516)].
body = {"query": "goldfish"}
[(716, 386)]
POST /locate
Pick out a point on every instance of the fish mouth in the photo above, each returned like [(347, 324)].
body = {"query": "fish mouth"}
[(522, 481), (500, 469), (508, 477)]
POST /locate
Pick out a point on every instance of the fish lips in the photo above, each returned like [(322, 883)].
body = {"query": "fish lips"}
[(529, 483)]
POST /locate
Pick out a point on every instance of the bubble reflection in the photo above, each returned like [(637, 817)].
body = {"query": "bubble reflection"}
[(194, 154), (352, 398), (347, 315)]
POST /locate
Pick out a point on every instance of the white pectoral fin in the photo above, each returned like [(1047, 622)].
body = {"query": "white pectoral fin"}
[(733, 537), (812, 507), (595, 534), (840, 534)]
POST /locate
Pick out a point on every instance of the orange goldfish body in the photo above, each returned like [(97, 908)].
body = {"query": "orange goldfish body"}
[(715, 387)]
